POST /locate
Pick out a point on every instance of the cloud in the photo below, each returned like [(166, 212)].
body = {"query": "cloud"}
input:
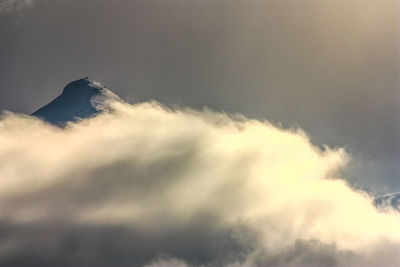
[(7, 6), (145, 185)]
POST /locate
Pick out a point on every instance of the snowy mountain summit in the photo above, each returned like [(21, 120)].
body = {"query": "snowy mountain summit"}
[(80, 99)]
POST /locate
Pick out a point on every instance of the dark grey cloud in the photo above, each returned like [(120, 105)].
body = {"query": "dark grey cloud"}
[(199, 242)]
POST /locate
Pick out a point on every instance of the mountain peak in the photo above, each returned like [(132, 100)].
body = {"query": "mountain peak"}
[(84, 84), (80, 99)]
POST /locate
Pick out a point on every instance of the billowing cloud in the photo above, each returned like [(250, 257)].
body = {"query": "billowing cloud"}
[(145, 185), (14, 5)]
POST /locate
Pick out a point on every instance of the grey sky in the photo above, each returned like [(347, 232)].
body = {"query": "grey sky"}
[(329, 66)]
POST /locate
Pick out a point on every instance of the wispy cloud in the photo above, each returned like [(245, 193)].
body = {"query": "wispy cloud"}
[(147, 185), (7, 6)]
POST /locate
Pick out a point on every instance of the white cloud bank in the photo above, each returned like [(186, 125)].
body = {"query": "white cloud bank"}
[(145, 183)]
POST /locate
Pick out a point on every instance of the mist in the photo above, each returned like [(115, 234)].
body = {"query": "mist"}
[(149, 185)]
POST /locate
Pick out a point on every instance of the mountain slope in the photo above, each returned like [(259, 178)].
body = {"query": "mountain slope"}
[(80, 99)]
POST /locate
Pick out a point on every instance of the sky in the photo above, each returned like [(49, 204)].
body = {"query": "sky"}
[(251, 130)]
